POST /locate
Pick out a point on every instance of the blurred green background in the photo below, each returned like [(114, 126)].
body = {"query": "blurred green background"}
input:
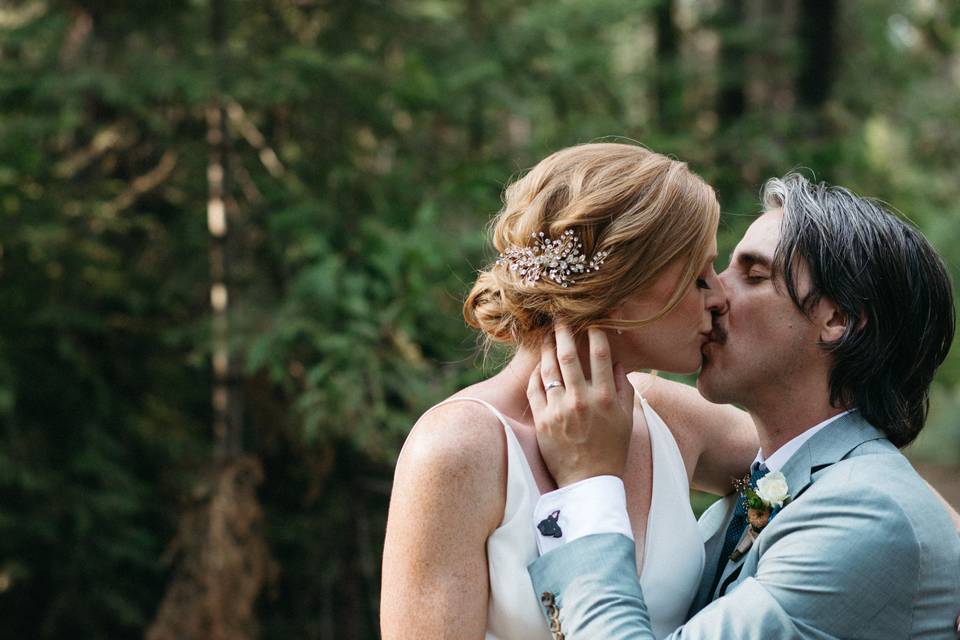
[(235, 237)]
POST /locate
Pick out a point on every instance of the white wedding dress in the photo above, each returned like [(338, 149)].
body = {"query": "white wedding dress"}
[(673, 552)]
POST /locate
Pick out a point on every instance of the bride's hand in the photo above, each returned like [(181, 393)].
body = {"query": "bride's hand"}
[(583, 426)]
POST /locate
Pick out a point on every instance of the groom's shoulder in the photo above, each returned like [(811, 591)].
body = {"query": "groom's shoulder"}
[(882, 481), (878, 475), (883, 503), (875, 501)]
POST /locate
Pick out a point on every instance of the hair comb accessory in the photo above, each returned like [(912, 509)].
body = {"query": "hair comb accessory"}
[(557, 260)]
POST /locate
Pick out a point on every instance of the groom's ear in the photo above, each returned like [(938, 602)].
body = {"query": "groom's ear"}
[(833, 322)]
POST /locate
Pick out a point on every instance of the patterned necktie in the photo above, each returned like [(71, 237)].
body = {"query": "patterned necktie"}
[(738, 523)]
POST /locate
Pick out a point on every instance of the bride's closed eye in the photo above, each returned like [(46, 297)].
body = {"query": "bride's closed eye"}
[(703, 281)]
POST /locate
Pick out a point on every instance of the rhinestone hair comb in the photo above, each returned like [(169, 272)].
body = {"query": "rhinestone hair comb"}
[(556, 260)]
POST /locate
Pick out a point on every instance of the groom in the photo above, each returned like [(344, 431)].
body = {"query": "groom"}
[(838, 315)]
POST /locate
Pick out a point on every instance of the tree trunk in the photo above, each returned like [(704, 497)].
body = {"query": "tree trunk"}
[(476, 125), (731, 95), (222, 559), (668, 86), (816, 28)]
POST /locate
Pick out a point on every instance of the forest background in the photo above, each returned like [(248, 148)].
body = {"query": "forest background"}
[(235, 238)]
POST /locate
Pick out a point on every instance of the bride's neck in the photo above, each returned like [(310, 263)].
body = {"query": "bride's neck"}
[(511, 382), (510, 385)]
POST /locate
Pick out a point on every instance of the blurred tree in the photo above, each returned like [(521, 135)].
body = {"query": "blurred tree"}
[(816, 35), (668, 94)]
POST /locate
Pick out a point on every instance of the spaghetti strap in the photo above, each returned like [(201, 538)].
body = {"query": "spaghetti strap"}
[(518, 468), (489, 406)]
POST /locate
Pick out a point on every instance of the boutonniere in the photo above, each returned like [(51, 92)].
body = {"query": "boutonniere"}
[(763, 502)]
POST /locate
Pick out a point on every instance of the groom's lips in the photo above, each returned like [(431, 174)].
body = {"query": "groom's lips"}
[(717, 335)]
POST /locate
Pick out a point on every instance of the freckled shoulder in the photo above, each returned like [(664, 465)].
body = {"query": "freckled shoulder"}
[(459, 448), (448, 497)]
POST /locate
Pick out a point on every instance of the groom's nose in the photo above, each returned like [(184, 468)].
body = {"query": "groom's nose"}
[(725, 280), (717, 297)]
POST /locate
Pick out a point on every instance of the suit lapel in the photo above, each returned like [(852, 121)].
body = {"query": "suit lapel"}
[(829, 445), (731, 570)]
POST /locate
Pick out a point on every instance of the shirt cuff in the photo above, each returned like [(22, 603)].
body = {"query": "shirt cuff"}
[(591, 506)]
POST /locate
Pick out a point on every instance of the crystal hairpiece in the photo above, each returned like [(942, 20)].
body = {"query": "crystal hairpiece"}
[(556, 259)]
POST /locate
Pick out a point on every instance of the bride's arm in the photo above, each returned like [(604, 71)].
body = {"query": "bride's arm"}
[(447, 499), (718, 442)]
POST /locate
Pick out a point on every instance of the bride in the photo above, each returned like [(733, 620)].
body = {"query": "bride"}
[(609, 236)]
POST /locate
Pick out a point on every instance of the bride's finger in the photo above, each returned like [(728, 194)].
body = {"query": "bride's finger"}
[(601, 373), (569, 359), (549, 369), (536, 396)]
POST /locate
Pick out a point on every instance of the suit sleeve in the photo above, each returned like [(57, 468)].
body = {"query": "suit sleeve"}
[(595, 585), (827, 569)]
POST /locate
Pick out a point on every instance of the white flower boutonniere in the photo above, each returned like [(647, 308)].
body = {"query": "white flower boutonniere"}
[(762, 502), (772, 489)]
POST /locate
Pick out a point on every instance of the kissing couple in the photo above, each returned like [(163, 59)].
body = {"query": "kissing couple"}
[(552, 499)]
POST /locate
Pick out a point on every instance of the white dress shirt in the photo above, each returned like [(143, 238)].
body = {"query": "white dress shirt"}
[(599, 504), (779, 458)]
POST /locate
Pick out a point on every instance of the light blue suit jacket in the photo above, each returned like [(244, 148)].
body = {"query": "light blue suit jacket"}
[(864, 550)]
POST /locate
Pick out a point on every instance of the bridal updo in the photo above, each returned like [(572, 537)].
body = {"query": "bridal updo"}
[(642, 208)]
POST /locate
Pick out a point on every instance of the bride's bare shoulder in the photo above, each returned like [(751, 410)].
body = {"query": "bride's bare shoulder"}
[(457, 438), (457, 422), (669, 398), (448, 497), (670, 395), (715, 440), (682, 408)]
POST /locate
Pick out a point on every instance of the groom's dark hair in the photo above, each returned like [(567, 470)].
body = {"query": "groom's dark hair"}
[(890, 284)]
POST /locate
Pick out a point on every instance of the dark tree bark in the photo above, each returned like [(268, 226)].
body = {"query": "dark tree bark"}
[(221, 213), (221, 557), (668, 86), (816, 35), (476, 119), (731, 96)]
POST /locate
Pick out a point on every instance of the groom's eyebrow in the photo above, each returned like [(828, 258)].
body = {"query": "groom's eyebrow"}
[(747, 259)]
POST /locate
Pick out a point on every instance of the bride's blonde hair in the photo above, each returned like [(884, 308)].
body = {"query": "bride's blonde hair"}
[(642, 208)]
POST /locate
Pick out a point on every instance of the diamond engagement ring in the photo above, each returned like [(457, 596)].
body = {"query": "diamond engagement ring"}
[(552, 385)]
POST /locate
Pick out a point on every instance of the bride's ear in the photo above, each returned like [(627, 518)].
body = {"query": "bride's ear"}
[(616, 314)]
